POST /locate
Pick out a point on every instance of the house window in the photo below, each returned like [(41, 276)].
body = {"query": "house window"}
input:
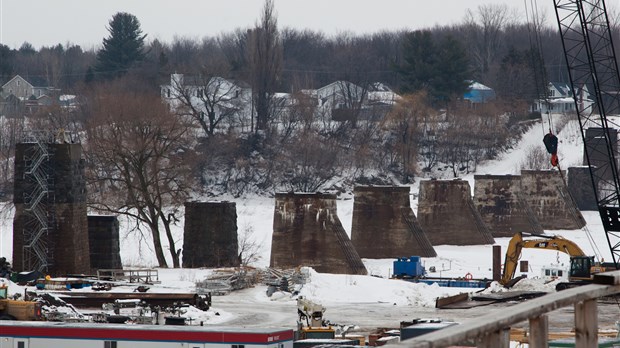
[(21, 344), (168, 92), (109, 344), (552, 93), (238, 346), (17, 83)]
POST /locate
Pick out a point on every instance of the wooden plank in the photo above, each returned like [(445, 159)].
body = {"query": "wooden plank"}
[(504, 318), (441, 302), (586, 324), (609, 278), (539, 332)]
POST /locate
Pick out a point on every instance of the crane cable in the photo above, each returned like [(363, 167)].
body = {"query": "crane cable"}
[(595, 248), (537, 58), (540, 78)]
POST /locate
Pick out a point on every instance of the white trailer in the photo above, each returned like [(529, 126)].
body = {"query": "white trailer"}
[(22, 334)]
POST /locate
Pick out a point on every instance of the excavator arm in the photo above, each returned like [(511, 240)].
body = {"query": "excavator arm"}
[(517, 243)]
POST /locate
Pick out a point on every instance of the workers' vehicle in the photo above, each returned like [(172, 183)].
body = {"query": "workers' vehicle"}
[(17, 309), (311, 323), (582, 267)]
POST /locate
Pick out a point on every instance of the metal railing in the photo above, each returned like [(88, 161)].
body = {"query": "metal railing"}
[(493, 329)]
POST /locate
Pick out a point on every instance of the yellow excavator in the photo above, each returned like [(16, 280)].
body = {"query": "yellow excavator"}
[(582, 267), (17, 309)]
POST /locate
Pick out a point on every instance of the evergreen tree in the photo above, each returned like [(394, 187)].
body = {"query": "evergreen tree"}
[(122, 49), (265, 63), (515, 81), (419, 61), (440, 68), (90, 75), (453, 75), (7, 57)]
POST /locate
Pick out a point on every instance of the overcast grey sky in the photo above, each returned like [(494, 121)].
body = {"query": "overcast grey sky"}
[(83, 22)]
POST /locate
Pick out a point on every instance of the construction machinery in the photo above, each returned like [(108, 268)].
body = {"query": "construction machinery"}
[(409, 268), (582, 266), (593, 74), (311, 323), (17, 309)]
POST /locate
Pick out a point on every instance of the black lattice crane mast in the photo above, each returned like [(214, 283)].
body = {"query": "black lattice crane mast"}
[(592, 66)]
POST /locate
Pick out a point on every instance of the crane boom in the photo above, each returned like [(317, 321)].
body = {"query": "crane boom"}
[(592, 66)]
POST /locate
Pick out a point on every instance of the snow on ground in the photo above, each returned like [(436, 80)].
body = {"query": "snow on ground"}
[(255, 218), (355, 288)]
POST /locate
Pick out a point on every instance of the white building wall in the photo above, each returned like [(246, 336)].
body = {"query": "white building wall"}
[(10, 342)]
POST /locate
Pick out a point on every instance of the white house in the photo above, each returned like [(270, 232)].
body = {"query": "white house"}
[(339, 100), (224, 95), (199, 86), (561, 99), (340, 95), (344, 100), (381, 94)]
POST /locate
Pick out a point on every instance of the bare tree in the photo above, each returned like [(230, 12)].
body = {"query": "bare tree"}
[(10, 128), (471, 135), (52, 57), (353, 96), (308, 161), (208, 100), (136, 152), (265, 60), (483, 31), (535, 158), (234, 48), (294, 113), (184, 54), (613, 13), (405, 124), (249, 247)]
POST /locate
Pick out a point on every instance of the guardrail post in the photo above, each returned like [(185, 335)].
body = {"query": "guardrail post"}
[(497, 339), (539, 332), (586, 324)]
